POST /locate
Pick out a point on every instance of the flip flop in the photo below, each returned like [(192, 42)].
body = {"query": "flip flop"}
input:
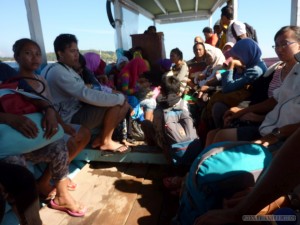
[(64, 209), (115, 151)]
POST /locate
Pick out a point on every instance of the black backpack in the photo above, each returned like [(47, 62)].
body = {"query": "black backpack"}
[(251, 32)]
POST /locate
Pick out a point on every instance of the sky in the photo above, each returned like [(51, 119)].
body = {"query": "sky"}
[(87, 19)]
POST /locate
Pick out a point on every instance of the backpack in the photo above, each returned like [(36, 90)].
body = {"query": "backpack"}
[(250, 31), (221, 170), (179, 132)]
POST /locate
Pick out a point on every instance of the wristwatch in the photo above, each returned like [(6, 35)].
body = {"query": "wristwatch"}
[(276, 132)]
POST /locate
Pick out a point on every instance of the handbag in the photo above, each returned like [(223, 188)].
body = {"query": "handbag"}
[(15, 101)]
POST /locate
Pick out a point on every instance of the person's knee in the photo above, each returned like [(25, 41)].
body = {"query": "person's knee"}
[(83, 135), (71, 145), (225, 135)]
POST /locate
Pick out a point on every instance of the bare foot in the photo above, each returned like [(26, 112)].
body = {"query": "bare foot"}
[(96, 143), (71, 185), (127, 143)]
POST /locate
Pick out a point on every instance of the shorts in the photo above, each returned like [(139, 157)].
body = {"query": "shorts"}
[(148, 104), (67, 136), (248, 133), (90, 116)]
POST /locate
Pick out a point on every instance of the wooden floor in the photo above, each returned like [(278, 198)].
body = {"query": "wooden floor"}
[(119, 194)]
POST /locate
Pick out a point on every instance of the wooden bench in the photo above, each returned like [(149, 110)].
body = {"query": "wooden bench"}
[(138, 154)]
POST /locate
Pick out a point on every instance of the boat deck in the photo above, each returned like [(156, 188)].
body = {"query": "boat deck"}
[(119, 194)]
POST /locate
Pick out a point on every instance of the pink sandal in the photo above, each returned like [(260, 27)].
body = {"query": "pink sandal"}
[(54, 205)]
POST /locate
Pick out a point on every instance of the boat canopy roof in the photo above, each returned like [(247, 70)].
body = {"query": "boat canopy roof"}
[(172, 11)]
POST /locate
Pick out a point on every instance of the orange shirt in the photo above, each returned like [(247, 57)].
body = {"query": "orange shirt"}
[(213, 40)]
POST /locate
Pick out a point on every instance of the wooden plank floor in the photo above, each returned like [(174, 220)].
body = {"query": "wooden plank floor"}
[(119, 194)]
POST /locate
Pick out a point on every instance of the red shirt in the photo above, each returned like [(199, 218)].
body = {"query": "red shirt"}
[(213, 40)]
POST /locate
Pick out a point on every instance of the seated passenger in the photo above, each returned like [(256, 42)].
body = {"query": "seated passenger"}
[(132, 83), (257, 112), (245, 68), (87, 76), (94, 63), (55, 153), (114, 69), (81, 105), (27, 54), (204, 65)]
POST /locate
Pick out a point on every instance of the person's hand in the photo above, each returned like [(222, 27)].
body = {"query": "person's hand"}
[(235, 63), (250, 116), (266, 140), (103, 79), (68, 129), (204, 88), (22, 124), (231, 114), (49, 123), (201, 77), (116, 92)]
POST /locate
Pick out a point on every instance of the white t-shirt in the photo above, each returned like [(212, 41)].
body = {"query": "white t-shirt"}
[(288, 104), (239, 27)]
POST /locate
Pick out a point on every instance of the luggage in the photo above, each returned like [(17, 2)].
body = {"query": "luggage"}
[(179, 133), (221, 170)]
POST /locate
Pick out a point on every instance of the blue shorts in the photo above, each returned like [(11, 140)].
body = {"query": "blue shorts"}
[(248, 133), (148, 104)]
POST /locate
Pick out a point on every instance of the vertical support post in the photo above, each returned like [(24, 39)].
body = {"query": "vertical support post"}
[(295, 16), (235, 9), (35, 27), (118, 23)]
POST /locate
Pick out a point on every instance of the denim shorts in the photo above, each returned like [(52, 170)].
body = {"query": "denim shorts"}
[(148, 104), (248, 133)]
